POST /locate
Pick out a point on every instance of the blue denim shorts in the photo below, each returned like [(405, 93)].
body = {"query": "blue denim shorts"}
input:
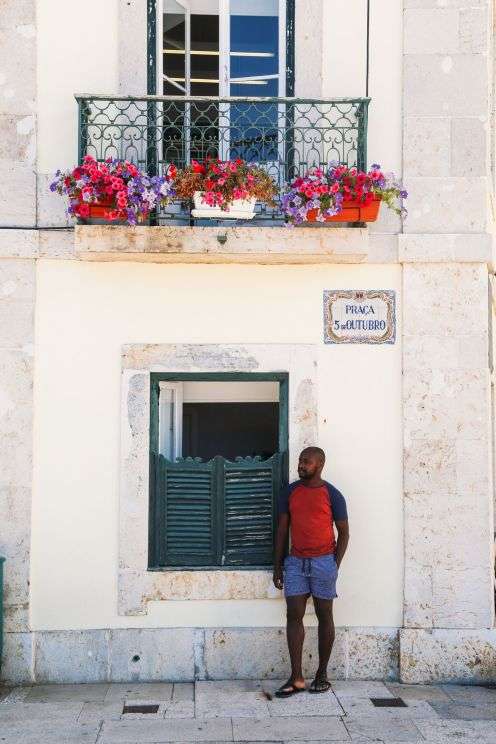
[(315, 576)]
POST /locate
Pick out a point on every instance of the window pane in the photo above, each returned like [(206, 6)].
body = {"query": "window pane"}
[(174, 41), (167, 433), (254, 46), (204, 55)]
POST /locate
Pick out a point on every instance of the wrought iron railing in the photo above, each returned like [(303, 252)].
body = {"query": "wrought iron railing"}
[(287, 136)]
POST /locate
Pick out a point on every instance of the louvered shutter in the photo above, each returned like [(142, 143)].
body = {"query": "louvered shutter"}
[(250, 493), (188, 508)]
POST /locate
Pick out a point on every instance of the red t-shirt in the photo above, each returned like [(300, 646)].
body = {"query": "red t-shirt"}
[(312, 513)]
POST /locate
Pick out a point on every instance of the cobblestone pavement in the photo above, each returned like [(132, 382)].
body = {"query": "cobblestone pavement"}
[(245, 712)]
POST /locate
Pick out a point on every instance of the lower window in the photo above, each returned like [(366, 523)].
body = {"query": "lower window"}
[(218, 449)]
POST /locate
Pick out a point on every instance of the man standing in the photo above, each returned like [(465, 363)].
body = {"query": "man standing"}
[(311, 508)]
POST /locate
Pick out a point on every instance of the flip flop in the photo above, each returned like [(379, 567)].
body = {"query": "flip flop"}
[(288, 690), (319, 686)]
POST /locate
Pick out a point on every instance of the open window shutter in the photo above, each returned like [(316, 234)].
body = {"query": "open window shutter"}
[(186, 489), (250, 493)]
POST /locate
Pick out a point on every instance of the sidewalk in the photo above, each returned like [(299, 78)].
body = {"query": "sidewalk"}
[(245, 712)]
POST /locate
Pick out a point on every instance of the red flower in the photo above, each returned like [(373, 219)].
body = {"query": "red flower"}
[(198, 167), (84, 210), (172, 171)]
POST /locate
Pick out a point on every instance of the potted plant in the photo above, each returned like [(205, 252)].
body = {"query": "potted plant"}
[(224, 189), (113, 191), (341, 194)]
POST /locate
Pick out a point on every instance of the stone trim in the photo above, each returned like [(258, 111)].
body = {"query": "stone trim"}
[(448, 508), (136, 585), (173, 244), (188, 654), (458, 655)]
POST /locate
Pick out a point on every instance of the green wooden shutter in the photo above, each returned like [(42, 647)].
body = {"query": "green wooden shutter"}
[(250, 493), (186, 490)]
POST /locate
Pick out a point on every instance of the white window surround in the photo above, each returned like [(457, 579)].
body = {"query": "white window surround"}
[(136, 584), (309, 25)]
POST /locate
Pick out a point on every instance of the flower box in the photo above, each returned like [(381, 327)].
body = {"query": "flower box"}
[(341, 194), (239, 209), (112, 191), (352, 211), (223, 190)]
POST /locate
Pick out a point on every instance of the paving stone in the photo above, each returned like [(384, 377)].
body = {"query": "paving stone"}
[(180, 709), (460, 712), (306, 704), (357, 707), (183, 692), (344, 689), (382, 729), (157, 691), (124, 732), (16, 695), (470, 693), (99, 712), (237, 698), (418, 692), (460, 731), (284, 729), (67, 693), (29, 733), (42, 713)]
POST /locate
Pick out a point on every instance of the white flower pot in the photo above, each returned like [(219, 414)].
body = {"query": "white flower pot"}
[(240, 209)]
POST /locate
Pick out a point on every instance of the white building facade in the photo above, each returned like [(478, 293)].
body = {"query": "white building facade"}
[(113, 339)]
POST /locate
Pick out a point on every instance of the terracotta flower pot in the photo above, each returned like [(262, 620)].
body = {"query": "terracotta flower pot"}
[(352, 211), (99, 209)]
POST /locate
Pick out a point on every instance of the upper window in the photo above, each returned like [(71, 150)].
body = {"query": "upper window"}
[(221, 47), (218, 455)]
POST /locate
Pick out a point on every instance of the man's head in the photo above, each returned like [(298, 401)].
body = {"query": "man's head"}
[(311, 463)]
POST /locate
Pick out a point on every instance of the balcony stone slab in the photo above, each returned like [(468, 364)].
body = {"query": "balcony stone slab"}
[(268, 245)]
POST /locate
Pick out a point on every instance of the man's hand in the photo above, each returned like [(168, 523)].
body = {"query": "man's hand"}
[(277, 577)]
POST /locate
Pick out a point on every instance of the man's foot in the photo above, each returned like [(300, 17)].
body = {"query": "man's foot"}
[(291, 688), (320, 684)]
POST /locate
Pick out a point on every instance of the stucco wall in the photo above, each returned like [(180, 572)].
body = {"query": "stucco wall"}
[(77, 427)]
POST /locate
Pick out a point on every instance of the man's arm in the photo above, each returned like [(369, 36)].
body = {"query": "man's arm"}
[(343, 529), (281, 538)]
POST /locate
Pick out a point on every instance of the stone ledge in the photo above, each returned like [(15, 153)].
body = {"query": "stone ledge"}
[(186, 654), (267, 245), (454, 655), (446, 248)]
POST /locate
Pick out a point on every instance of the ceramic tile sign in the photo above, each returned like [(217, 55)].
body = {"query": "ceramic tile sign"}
[(359, 316)]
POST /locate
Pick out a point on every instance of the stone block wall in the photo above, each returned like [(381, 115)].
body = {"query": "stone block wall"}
[(446, 114), (18, 249), (18, 113)]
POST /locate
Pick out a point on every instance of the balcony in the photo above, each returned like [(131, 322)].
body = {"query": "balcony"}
[(287, 136)]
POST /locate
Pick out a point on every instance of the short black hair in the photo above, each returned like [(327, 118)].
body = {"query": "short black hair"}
[(316, 451)]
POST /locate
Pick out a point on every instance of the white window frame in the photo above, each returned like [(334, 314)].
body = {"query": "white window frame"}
[(224, 51), (177, 419)]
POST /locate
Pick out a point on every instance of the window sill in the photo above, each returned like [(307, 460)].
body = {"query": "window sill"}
[(245, 245), (195, 569)]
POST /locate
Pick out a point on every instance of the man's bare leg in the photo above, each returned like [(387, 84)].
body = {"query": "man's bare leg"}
[(295, 631), (323, 610)]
